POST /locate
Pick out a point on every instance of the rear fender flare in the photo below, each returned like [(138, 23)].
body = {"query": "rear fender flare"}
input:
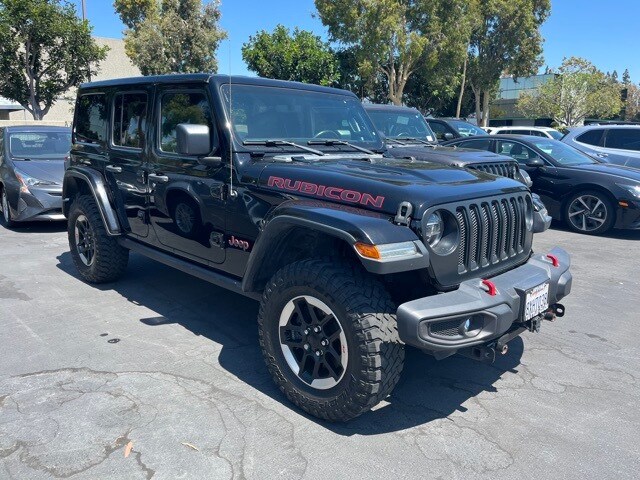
[(74, 177)]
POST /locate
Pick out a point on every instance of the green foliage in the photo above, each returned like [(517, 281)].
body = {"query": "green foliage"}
[(626, 78), (302, 57), (506, 39), (632, 106), (392, 38), (44, 50), (579, 90), (171, 36)]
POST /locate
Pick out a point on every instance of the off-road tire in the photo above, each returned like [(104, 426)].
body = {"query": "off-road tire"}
[(110, 258), (367, 315)]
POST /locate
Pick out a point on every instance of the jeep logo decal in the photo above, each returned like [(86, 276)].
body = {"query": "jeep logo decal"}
[(334, 193), (237, 243)]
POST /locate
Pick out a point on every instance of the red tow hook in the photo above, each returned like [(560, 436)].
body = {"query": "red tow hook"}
[(554, 260), (491, 287)]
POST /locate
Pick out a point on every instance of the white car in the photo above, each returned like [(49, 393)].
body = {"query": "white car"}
[(547, 132)]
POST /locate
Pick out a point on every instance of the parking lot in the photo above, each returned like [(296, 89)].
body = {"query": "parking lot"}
[(167, 368)]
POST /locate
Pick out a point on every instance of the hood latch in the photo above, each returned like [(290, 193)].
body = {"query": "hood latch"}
[(403, 216)]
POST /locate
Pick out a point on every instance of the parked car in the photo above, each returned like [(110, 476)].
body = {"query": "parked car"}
[(546, 132), (619, 144), (450, 128), (286, 198), (31, 172), (408, 135), (590, 196)]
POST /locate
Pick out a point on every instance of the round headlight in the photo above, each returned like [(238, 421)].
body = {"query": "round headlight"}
[(528, 217), (433, 229)]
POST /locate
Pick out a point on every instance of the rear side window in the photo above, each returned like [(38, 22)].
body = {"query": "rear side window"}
[(591, 137), (183, 107), (476, 144), (91, 119), (623, 138), (129, 119)]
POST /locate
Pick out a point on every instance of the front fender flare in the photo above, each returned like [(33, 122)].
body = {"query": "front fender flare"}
[(348, 224), (97, 185)]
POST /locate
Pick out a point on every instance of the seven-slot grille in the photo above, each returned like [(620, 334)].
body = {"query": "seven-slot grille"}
[(491, 231), (503, 169)]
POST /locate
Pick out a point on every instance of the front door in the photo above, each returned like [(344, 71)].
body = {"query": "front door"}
[(126, 168), (187, 209)]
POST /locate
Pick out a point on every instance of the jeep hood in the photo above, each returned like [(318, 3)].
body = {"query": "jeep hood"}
[(447, 155), (380, 183)]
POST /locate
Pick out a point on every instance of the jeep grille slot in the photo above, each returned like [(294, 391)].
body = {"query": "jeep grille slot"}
[(502, 169), (490, 232)]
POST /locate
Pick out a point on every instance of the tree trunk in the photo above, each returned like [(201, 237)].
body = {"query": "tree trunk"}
[(485, 108), (477, 96), (462, 85)]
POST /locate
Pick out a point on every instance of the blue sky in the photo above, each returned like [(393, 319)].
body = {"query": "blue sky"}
[(606, 33)]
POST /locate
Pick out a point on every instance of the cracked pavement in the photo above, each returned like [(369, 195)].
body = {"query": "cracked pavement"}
[(171, 365)]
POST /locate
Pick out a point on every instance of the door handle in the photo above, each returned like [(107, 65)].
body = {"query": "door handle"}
[(113, 169), (158, 178)]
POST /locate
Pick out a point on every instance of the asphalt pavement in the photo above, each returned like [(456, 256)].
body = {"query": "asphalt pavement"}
[(160, 376)]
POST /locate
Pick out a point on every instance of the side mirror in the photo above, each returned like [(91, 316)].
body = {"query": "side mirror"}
[(536, 162), (196, 140), (448, 136), (193, 139)]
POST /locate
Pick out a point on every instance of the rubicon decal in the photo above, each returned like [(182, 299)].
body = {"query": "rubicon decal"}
[(334, 193)]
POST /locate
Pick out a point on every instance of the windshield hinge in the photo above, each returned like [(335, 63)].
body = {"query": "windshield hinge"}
[(403, 217)]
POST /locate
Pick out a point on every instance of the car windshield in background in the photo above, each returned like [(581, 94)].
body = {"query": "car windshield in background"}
[(39, 145), (261, 113), (556, 135), (563, 153), (402, 125), (466, 129)]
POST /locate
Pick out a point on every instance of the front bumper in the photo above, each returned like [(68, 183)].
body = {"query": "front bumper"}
[(40, 203), (491, 316), (628, 218)]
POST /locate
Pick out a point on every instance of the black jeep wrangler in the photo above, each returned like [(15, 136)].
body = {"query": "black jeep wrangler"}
[(280, 191)]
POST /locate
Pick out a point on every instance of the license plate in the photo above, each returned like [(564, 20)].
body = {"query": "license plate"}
[(536, 301)]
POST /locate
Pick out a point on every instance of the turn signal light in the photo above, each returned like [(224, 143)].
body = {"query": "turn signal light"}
[(368, 251)]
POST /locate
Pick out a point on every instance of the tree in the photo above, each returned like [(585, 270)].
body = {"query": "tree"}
[(44, 51), (632, 106), (302, 57), (578, 90), (391, 37), (506, 39), (626, 78), (171, 36)]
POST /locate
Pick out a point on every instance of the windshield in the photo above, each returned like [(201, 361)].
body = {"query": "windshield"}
[(563, 153), (466, 129), (34, 145), (556, 135), (405, 124), (261, 113)]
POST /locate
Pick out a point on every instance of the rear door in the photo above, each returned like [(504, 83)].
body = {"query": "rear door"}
[(187, 209), (126, 168), (623, 146)]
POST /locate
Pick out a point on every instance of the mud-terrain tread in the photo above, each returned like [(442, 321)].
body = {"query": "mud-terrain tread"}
[(381, 351), (111, 258)]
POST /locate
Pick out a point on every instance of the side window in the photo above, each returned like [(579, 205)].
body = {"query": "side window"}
[(476, 144), (439, 129), (516, 151), (129, 119), (591, 137), (623, 138), (184, 107), (90, 125)]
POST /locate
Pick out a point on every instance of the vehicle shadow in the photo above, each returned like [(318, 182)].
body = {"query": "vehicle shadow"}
[(38, 227), (428, 389), (613, 233)]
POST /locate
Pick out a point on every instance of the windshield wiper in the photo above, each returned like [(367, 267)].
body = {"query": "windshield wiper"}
[(279, 143), (331, 143), (413, 139)]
